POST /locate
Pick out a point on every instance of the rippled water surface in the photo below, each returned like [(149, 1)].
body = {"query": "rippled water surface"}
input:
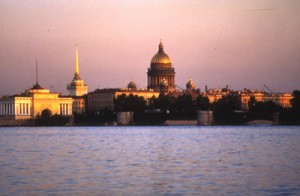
[(258, 160)]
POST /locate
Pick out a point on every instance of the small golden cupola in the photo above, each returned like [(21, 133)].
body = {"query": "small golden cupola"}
[(190, 85), (131, 85)]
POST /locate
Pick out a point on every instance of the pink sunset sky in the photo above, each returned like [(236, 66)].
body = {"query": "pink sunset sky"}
[(240, 43)]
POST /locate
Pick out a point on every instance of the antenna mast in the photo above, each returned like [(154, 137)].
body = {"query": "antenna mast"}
[(36, 71)]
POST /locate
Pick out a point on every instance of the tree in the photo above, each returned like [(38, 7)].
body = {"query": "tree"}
[(130, 103), (184, 103), (251, 104), (227, 104), (163, 102), (202, 103), (224, 110), (295, 101)]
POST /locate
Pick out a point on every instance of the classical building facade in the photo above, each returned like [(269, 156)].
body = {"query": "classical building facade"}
[(77, 89), (281, 99), (36, 101), (161, 74)]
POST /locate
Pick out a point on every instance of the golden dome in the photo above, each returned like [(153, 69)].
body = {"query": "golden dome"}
[(131, 85), (161, 56)]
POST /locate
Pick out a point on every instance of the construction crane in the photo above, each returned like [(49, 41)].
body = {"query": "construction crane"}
[(179, 87), (266, 87), (276, 94)]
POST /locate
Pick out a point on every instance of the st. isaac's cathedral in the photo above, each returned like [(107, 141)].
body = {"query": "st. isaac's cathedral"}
[(161, 74)]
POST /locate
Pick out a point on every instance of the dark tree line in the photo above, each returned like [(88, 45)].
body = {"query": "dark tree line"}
[(130, 103), (226, 110)]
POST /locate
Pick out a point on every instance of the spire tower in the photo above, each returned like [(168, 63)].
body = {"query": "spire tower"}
[(36, 72), (77, 76), (77, 86), (77, 66)]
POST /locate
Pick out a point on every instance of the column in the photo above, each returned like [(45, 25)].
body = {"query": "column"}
[(8, 108), (0, 109), (13, 109), (29, 109), (24, 109), (70, 109), (20, 108), (67, 109)]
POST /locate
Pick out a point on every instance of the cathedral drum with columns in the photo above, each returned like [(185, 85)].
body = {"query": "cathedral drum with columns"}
[(161, 72)]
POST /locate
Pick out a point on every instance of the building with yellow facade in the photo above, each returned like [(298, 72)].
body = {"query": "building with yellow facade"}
[(281, 99), (35, 102)]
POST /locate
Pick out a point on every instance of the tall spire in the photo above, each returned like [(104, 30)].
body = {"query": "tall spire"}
[(36, 72), (77, 86), (76, 66), (36, 86), (76, 76)]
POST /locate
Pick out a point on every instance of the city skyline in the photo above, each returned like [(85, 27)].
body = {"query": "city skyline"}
[(243, 44)]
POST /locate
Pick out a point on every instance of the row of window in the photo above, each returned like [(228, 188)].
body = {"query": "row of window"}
[(100, 102), (15, 109), (65, 109)]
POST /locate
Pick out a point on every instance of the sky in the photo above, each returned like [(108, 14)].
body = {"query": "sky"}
[(239, 43)]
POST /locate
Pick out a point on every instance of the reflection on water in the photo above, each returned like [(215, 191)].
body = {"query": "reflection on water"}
[(261, 160)]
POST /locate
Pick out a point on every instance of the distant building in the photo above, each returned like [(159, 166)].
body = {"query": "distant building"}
[(161, 74), (77, 89), (281, 99), (214, 95), (36, 101), (102, 99)]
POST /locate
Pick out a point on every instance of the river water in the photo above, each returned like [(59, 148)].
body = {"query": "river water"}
[(179, 160)]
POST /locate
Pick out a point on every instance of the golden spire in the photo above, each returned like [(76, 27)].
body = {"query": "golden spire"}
[(76, 76), (76, 66)]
